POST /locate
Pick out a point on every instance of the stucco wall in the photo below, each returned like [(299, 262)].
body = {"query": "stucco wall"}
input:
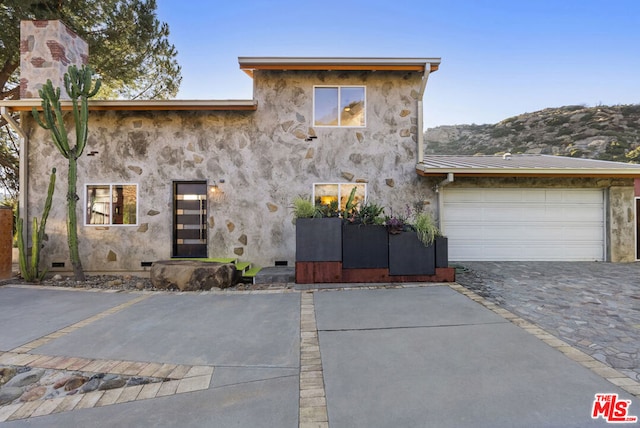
[(262, 157)]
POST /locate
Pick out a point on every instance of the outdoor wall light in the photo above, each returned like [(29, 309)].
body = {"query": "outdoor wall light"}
[(215, 191)]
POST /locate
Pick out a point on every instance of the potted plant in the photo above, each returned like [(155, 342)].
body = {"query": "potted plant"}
[(365, 242), (411, 248), (318, 232)]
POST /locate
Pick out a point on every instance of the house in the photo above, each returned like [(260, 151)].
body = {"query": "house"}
[(215, 178)]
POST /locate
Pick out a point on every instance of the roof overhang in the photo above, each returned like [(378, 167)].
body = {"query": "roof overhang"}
[(142, 105), (541, 166), (249, 64)]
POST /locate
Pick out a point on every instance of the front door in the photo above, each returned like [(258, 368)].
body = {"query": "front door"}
[(189, 219)]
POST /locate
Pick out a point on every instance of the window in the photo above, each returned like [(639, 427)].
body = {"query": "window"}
[(339, 106), (112, 204), (326, 193)]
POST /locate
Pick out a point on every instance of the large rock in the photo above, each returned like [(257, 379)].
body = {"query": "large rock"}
[(191, 275), (26, 378)]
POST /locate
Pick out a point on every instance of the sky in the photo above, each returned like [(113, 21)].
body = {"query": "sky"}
[(499, 58)]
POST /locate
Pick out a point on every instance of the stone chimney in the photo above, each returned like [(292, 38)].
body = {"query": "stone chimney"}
[(47, 49)]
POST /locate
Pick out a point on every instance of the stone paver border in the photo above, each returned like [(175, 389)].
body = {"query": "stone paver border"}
[(608, 373), (313, 402)]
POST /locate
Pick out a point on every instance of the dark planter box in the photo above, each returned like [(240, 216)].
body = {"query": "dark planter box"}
[(365, 246), (318, 239), (442, 252), (409, 256)]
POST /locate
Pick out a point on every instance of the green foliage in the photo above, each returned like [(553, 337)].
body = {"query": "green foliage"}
[(558, 120), (426, 228), (587, 117), (129, 46), (78, 83), (500, 132), (329, 210), (368, 213), (350, 205), (630, 110), (303, 208), (564, 131), (29, 269)]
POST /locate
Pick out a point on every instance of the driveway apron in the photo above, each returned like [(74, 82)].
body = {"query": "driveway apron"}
[(431, 357)]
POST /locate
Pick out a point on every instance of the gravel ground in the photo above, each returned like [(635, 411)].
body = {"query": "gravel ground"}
[(127, 282)]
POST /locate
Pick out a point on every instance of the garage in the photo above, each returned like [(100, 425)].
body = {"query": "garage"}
[(524, 223)]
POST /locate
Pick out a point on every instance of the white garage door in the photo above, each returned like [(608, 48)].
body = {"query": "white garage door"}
[(524, 224)]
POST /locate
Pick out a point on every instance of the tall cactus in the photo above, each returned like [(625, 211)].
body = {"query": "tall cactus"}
[(30, 269), (78, 83)]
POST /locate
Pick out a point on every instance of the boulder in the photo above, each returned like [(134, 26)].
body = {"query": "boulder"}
[(192, 275), (26, 378), (8, 394)]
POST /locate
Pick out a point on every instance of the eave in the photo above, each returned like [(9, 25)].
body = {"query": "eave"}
[(142, 105), (249, 64), (535, 172)]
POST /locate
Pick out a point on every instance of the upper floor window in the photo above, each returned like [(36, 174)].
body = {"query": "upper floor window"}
[(339, 106), (111, 204)]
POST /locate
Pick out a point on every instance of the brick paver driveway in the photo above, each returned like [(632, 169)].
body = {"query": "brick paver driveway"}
[(593, 306)]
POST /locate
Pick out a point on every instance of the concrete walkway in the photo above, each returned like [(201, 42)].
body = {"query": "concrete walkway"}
[(397, 356)]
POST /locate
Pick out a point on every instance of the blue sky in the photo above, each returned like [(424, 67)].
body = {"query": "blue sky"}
[(499, 58)]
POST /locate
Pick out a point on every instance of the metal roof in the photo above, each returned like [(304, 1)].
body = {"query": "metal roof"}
[(524, 165), (249, 64)]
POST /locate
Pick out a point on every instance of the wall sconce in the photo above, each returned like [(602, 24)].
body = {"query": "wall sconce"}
[(215, 192)]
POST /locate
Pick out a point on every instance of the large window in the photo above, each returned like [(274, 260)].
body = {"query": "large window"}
[(326, 193), (339, 106), (111, 204)]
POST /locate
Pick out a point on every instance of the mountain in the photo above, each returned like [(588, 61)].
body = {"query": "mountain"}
[(602, 132)]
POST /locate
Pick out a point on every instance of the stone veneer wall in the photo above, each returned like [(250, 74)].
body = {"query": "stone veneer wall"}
[(620, 210), (47, 49), (262, 156)]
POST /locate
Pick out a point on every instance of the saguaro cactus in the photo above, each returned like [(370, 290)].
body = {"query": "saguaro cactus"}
[(78, 83)]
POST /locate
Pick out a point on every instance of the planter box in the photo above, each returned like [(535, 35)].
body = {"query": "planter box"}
[(318, 240), (409, 256), (365, 246), (442, 252)]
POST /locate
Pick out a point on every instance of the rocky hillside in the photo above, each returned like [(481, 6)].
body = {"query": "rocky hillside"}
[(603, 132)]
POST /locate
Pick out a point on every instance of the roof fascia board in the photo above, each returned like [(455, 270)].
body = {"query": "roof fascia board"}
[(529, 172), (142, 105), (248, 64)]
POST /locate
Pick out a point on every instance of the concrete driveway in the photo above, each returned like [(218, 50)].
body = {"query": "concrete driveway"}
[(413, 356)]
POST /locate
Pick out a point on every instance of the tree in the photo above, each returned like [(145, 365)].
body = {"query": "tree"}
[(128, 47), (78, 85)]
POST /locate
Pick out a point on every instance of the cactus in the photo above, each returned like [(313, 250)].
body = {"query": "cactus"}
[(78, 84), (30, 271)]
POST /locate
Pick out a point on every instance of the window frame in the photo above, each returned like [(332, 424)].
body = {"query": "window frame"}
[(111, 186), (339, 88), (313, 191)]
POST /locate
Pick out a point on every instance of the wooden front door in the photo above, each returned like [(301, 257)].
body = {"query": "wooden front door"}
[(189, 219)]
